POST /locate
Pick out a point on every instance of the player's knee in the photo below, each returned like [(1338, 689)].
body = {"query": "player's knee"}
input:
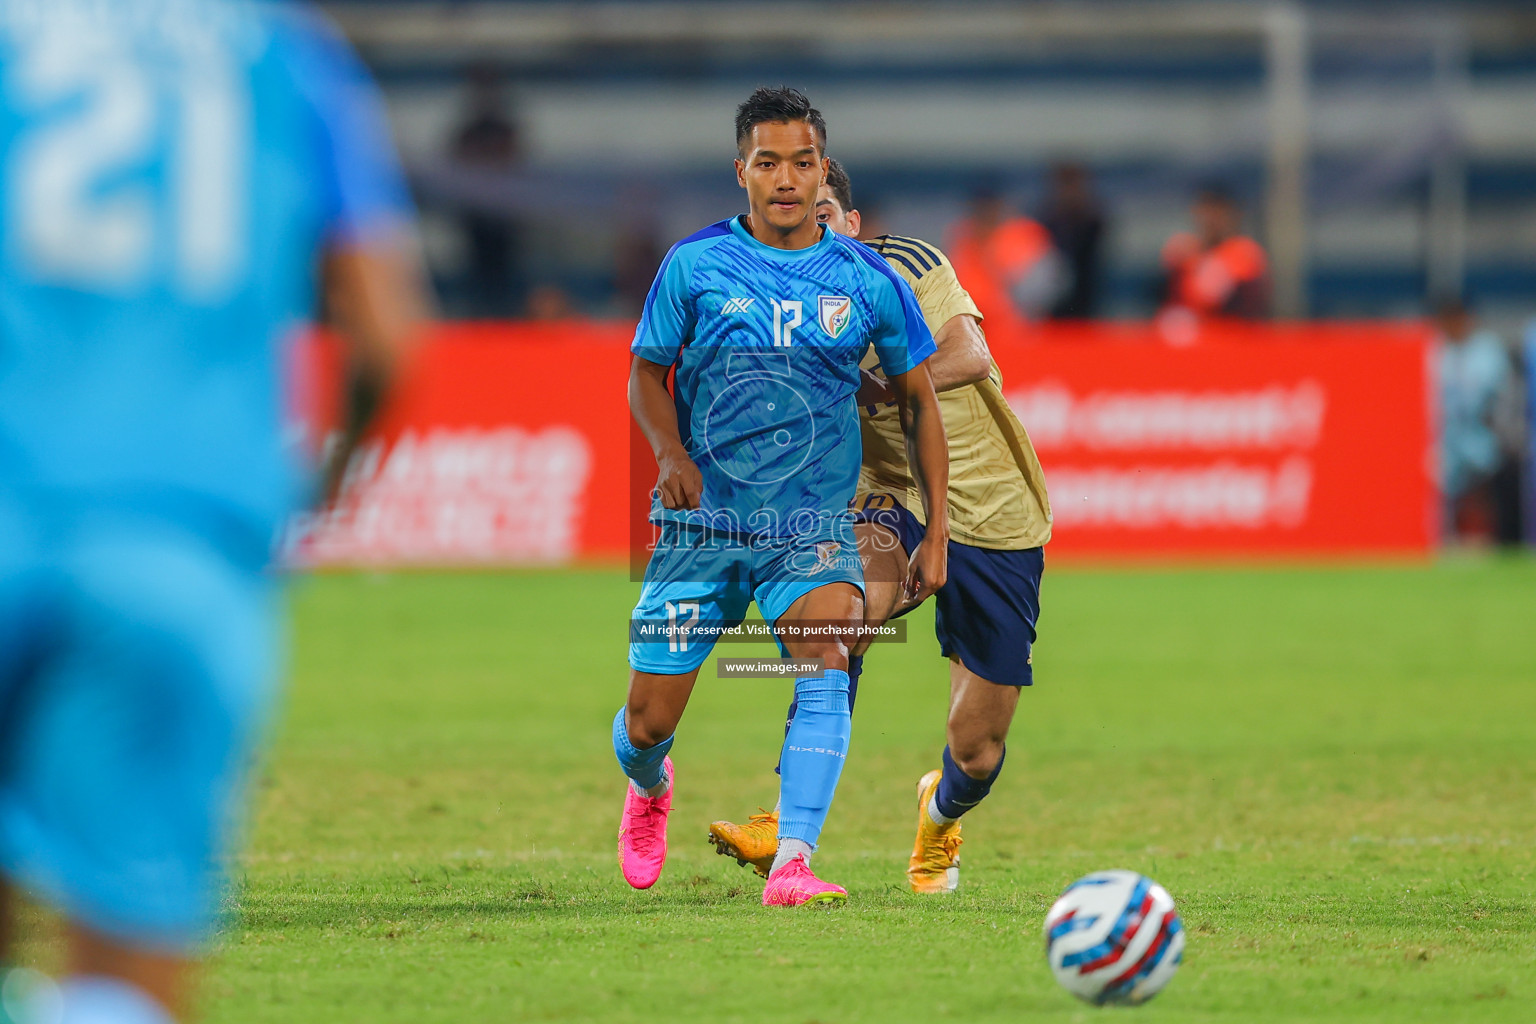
[(977, 756), (831, 653), (645, 733)]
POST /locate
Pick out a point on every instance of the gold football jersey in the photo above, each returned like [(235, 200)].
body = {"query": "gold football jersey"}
[(997, 493)]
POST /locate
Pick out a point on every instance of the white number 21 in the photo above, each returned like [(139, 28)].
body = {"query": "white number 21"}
[(83, 211)]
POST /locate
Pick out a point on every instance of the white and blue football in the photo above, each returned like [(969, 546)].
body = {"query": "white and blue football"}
[(1114, 937)]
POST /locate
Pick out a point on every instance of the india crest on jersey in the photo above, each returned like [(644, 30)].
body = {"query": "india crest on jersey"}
[(834, 312), (826, 553)]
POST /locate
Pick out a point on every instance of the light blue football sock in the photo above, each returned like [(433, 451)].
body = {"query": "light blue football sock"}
[(855, 667), (97, 999), (644, 767), (813, 756)]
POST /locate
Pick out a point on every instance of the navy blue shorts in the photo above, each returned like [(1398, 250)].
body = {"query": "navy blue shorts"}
[(986, 612)]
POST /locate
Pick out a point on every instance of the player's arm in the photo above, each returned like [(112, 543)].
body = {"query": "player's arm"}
[(678, 479), (922, 426), (372, 283), (376, 299), (962, 357), (665, 324), (905, 349)]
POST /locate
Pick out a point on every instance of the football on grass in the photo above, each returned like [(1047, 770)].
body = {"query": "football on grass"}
[(1114, 937)]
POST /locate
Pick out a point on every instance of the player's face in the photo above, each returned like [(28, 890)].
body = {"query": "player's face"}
[(781, 171), (828, 212)]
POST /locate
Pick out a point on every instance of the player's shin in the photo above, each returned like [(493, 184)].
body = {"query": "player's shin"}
[(959, 792), (645, 768), (855, 669), (812, 761)]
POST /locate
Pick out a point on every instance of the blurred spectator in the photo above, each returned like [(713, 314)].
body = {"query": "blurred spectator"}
[(549, 302), (1511, 422), (487, 140), (1479, 445), (636, 257), (872, 222), (1006, 261), (1075, 220), (1214, 271), (1525, 366)]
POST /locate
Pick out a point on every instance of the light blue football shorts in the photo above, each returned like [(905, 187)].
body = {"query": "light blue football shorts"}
[(700, 582), (137, 669)]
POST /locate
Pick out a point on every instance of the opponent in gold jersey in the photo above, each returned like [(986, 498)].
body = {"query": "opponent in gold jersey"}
[(999, 520), (997, 493)]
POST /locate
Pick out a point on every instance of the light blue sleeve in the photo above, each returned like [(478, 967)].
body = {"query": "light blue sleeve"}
[(667, 320), (358, 175), (901, 337)]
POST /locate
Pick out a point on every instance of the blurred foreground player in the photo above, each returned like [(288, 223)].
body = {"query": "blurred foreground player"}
[(173, 170), (766, 317), (999, 519)]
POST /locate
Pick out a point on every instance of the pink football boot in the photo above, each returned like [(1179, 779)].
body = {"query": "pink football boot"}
[(643, 834), (793, 885)]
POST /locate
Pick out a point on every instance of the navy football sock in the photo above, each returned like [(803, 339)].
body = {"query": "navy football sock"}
[(643, 766), (813, 756), (855, 669), (958, 792)]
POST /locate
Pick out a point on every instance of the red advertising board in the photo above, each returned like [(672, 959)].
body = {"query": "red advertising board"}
[(511, 444), (505, 444), (1299, 440)]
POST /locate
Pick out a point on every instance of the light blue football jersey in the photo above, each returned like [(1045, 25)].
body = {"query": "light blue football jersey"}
[(169, 171), (767, 344)]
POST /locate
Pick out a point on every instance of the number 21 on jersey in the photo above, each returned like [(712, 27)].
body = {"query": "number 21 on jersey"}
[(125, 165)]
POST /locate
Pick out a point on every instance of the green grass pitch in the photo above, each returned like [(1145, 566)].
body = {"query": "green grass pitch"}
[(1332, 770)]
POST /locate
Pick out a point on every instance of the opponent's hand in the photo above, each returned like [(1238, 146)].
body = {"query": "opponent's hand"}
[(927, 569), (680, 482), (874, 389)]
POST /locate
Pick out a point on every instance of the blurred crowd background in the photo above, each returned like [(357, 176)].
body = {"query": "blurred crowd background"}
[(1078, 160)]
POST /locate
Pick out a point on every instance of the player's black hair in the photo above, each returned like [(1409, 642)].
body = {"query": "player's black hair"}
[(771, 106), (842, 188)]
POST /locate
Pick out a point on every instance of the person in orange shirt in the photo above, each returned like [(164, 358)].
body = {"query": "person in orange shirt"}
[(1214, 271), (1008, 263)]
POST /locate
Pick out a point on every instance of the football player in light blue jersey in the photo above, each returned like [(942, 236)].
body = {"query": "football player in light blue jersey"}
[(172, 173), (765, 318)]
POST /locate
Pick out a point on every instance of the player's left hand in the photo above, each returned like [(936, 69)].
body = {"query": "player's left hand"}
[(927, 569)]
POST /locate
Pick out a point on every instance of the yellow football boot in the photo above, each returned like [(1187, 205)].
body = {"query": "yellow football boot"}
[(935, 863), (755, 843)]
